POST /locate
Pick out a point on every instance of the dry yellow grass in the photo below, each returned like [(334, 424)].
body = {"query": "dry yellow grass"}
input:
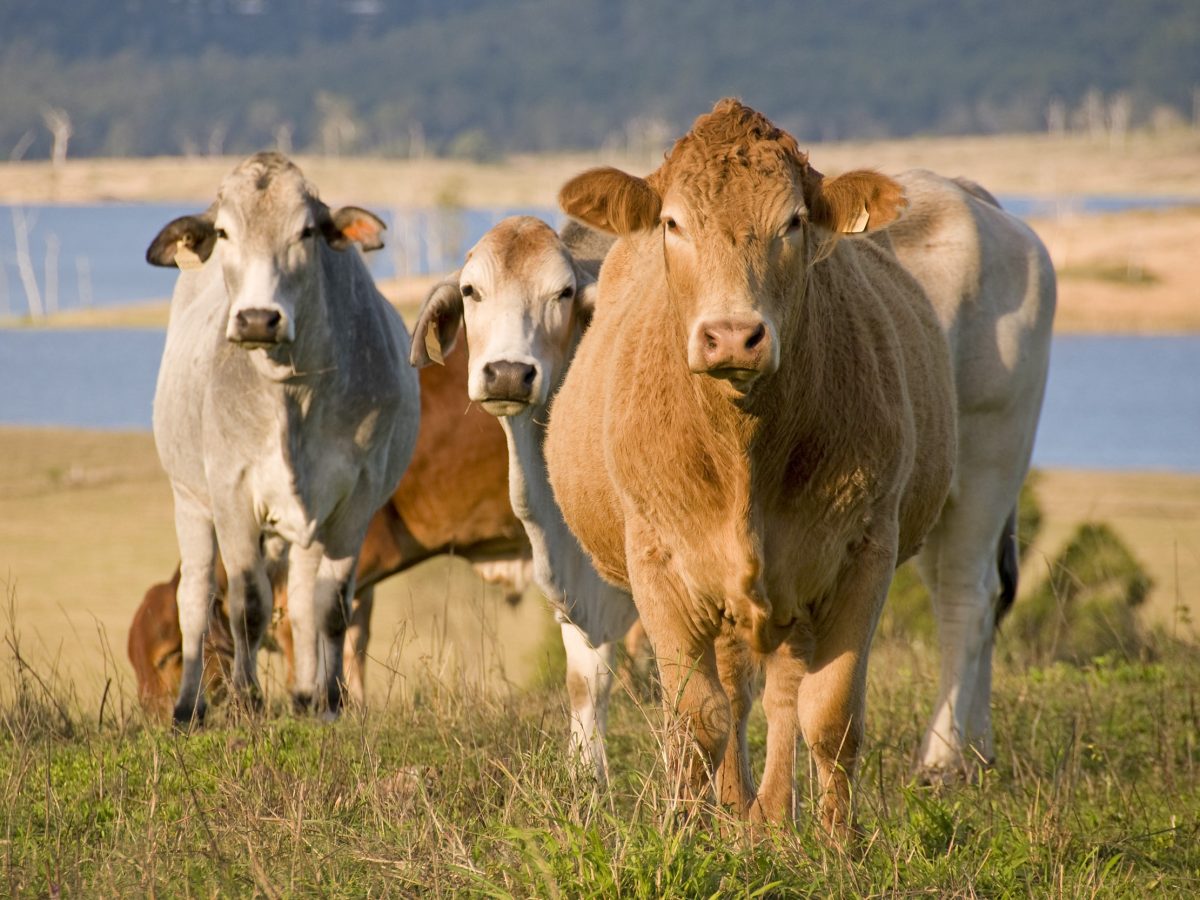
[(87, 527)]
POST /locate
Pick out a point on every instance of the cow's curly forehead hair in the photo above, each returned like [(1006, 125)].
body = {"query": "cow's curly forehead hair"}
[(262, 171), (733, 139)]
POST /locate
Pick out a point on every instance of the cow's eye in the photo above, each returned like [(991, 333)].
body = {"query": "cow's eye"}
[(670, 223), (467, 291), (566, 293), (306, 232), (794, 222), (222, 234)]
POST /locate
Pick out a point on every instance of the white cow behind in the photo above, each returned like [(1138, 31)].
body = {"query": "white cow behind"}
[(284, 410), (525, 295), (993, 288)]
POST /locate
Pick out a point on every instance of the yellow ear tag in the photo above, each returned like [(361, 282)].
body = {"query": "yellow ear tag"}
[(860, 224), (185, 257), (433, 346)]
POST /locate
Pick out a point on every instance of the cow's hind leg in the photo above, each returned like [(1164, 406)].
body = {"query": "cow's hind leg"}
[(960, 565), (357, 638), (197, 551), (249, 599)]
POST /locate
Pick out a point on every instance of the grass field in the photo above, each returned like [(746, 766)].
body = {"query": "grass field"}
[(456, 789)]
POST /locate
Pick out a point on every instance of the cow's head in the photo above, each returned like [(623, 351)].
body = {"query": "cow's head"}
[(523, 299), (269, 225), (740, 215)]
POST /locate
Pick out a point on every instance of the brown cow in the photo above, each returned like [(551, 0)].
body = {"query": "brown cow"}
[(452, 499), (758, 426)]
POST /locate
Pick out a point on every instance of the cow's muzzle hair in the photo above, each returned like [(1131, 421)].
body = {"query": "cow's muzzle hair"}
[(258, 326), (738, 349)]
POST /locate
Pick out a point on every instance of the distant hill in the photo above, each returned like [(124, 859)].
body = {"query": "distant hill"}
[(480, 78)]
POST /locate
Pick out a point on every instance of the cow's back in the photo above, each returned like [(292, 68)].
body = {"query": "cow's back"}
[(990, 281)]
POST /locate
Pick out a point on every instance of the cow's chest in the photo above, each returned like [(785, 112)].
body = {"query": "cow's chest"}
[(286, 480)]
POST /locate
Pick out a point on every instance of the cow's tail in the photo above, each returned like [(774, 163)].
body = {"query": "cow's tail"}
[(1008, 565)]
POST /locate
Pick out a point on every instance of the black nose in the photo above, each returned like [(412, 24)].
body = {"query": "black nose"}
[(259, 325), (505, 380)]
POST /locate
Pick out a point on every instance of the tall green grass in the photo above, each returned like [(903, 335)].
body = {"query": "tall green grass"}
[(464, 789)]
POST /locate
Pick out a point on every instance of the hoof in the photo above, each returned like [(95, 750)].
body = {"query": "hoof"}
[(186, 716), (302, 703)]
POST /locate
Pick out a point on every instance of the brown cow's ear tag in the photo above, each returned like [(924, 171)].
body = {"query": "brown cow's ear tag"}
[(434, 347), (859, 225), (185, 257)]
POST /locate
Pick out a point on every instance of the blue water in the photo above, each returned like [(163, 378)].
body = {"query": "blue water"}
[(100, 258), (1111, 402)]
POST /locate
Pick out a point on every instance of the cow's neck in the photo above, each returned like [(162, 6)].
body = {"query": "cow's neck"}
[(558, 560)]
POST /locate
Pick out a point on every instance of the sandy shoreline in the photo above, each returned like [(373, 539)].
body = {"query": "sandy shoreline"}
[(1145, 163)]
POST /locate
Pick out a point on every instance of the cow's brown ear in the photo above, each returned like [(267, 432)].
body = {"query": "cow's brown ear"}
[(857, 201), (195, 233), (352, 225), (437, 324), (611, 200)]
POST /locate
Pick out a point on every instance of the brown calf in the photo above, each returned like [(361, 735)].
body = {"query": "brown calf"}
[(452, 499), (758, 426)]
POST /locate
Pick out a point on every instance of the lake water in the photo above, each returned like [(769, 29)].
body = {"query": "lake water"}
[(83, 255), (1111, 403)]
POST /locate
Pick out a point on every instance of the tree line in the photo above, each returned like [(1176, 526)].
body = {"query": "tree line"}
[(483, 78)]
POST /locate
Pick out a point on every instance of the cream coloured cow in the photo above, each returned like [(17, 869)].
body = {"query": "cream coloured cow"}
[(992, 287), (524, 295), (283, 410)]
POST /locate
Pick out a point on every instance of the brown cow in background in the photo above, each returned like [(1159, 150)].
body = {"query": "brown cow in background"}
[(452, 499)]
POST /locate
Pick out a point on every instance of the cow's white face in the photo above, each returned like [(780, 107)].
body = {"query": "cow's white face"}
[(520, 298), (269, 225), (268, 254)]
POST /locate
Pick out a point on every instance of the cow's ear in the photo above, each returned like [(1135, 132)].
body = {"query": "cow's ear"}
[(855, 202), (437, 324), (586, 291), (352, 225), (195, 233), (611, 201)]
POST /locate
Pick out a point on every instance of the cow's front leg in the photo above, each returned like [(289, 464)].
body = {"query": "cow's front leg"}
[(319, 591), (197, 552), (785, 667), (735, 667), (687, 664), (832, 696), (589, 683)]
